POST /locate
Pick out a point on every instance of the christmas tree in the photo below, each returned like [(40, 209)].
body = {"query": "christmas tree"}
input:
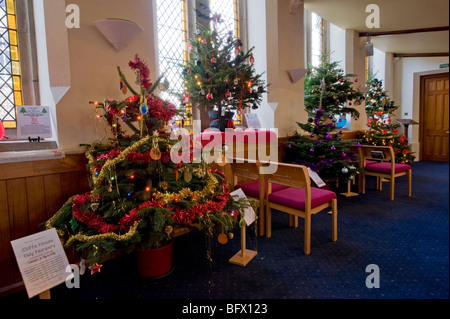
[(219, 75), (139, 194), (328, 97), (383, 132), (338, 97)]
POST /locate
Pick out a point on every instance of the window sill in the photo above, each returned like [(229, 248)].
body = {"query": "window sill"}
[(27, 156)]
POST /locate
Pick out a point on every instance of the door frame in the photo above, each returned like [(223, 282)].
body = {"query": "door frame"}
[(423, 78)]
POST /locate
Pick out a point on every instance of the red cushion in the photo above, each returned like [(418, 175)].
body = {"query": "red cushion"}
[(251, 189), (385, 168), (369, 162), (295, 197)]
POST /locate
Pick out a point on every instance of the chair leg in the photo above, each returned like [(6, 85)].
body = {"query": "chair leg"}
[(392, 188), (307, 245), (262, 220), (293, 221), (334, 220), (410, 183), (363, 184), (268, 221)]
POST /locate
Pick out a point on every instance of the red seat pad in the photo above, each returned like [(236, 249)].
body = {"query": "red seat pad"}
[(295, 197), (385, 168), (251, 189), (369, 162)]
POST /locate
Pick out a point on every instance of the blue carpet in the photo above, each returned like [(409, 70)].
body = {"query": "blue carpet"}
[(408, 239)]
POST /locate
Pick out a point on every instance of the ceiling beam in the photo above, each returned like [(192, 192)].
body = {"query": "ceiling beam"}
[(398, 32), (420, 55)]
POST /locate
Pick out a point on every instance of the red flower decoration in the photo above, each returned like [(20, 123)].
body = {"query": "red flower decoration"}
[(144, 72)]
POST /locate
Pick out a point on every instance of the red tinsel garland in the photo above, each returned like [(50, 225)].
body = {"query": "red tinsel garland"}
[(183, 217)]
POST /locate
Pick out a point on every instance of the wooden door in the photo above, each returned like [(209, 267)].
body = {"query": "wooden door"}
[(435, 117)]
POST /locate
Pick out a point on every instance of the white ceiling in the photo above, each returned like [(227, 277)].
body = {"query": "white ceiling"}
[(395, 15)]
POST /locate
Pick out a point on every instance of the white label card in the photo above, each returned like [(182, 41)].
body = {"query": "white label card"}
[(252, 121), (316, 178), (249, 213), (42, 261)]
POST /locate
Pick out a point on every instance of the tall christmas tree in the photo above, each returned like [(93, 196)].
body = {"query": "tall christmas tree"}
[(329, 95), (219, 75), (139, 194), (382, 131)]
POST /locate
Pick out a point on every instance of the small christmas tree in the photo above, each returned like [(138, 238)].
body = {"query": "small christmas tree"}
[(138, 193), (327, 93), (219, 76), (383, 132)]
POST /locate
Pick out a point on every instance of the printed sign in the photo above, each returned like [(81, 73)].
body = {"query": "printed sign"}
[(34, 122), (316, 178), (252, 121), (249, 214), (42, 261)]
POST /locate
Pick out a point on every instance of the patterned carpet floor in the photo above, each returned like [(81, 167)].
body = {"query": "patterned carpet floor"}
[(408, 239)]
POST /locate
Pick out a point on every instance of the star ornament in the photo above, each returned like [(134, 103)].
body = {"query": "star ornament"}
[(95, 269)]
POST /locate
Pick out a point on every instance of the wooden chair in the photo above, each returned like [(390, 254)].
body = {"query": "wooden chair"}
[(385, 168), (246, 175), (299, 199)]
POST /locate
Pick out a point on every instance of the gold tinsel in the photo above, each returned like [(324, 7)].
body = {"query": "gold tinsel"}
[(112, 162), (85, 238)]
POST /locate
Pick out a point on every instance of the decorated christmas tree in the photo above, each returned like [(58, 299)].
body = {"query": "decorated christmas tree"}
[(329, 96), (219, 75), (139, 192), (382, 131)]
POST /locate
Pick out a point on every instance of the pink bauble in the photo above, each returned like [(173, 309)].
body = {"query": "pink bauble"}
[(2, 130)]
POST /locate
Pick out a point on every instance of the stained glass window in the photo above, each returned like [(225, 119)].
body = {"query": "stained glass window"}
[(10, 75)]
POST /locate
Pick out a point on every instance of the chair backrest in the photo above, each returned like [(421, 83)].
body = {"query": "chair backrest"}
[(244, 168), (290, 175), (378, 153)]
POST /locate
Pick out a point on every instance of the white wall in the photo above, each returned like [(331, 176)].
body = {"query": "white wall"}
[(93, 62), (278, 37)]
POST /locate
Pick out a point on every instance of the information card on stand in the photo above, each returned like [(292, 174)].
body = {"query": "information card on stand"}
[(42, 261)]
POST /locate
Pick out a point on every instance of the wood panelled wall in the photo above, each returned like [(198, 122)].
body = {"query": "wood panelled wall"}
[(30, 193)]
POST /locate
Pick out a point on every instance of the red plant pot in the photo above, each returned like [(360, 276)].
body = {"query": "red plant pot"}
[(155, 263)]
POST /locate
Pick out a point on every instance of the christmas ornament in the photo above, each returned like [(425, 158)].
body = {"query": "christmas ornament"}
[(222, 239), (187, 176), (189, 48), (155, 154), (344, 170), (95, 269), (252, 59), (221, 160), (143, 109), (123, 87), (209, 96), (187, 98)]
